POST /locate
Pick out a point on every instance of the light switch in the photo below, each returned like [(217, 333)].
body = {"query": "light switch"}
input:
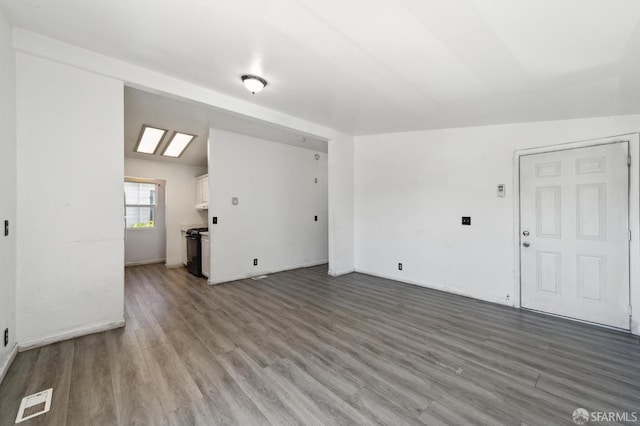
[(234, 201)]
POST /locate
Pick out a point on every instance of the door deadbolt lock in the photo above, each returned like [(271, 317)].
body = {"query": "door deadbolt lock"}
[(525, 233)]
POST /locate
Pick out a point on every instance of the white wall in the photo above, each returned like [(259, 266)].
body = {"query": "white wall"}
[(278, 199), (180, 196), (70, 169), (7, 190), (156, 82), (341, 206), (411, 190), (341, 235)]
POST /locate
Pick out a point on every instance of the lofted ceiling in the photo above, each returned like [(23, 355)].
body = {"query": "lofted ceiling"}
[(142, 108), (375, 66)]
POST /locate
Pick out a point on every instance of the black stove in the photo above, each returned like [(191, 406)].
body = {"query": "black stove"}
[(196, 231), (194, 251)]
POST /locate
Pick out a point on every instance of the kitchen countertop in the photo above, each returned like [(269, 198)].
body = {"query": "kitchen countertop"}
[(204, 234), (185, 228)]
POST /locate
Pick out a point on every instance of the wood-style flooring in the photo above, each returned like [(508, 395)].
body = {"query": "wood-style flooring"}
[(301, 347)]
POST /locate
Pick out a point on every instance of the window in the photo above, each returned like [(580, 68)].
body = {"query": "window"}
[(140, 204)]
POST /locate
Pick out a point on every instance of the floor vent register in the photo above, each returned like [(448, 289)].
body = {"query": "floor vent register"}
[(34, 405)]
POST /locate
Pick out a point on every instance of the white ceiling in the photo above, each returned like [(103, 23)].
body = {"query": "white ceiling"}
[(142, 108), (376, 65)]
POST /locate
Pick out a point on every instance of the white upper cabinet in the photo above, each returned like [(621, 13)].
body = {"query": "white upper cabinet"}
[(202, 192)]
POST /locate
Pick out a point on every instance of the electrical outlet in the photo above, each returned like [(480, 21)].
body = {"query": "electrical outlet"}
[(466, 220), (6, 336), (508, 298), (399, 266), (316, 180), (255, 262), (315, 218)]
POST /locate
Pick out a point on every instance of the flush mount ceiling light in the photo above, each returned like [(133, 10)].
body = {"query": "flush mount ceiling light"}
[(253, 83), (177, 144), (149, 139)]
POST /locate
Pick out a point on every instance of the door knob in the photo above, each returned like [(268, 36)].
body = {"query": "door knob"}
[(526, 244)]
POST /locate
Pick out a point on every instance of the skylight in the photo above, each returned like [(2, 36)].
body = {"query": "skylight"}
[(177, 144), (149, 140)]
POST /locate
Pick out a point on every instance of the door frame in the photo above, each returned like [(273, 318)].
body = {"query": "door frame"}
[(633, 140)]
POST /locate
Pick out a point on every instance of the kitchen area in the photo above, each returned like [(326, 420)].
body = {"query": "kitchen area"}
[(251, 172), (196, 250), (166, 144)]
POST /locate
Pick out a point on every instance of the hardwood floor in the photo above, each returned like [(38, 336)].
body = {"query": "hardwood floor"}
[(300, 347)]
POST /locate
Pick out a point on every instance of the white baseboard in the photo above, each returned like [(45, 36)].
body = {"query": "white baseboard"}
[(338, 273), (145, 262), (70, 334), (482, 297), (4, 368), (174, 265), (244, 276), (311, 264), (438, 286)]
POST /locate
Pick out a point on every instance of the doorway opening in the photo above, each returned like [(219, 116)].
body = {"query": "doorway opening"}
[(257, 193), (175, 157)]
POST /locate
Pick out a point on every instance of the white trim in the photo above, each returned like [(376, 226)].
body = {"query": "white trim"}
[(267, 272), (634, 212), (4, 368), (70, 334), (145, 262), (498, 300), (339, 273)]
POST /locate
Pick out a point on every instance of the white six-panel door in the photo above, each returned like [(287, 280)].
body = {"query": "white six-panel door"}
[(574, 233)]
